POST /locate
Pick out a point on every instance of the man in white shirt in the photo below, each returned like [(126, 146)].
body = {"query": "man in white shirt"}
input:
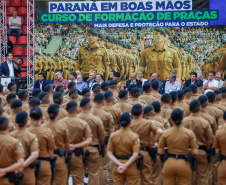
[(211, 84), (172, 84), (141, 77), (219, 79), (14, 25)]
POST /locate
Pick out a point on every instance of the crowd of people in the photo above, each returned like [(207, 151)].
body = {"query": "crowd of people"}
[(116, 125)]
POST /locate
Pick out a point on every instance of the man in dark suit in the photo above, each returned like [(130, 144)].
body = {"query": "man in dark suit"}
[(191, 81), (41, 82), (9, 68), (134, 80)]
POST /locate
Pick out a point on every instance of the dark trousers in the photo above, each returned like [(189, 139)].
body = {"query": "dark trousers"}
[(11, 31)]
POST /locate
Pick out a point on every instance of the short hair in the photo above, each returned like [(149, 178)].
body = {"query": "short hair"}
[(74, 74), (41, 74), (72, 109), (96, 89), (99, 74), (80, 75), (4, 122), (213, 72), (48, 87), (135, 95), (142, 72), (60, 88), (194, 73), (7, 54), (95, 70), (23, 96), (218, 74), (173, 75), (12, 86)]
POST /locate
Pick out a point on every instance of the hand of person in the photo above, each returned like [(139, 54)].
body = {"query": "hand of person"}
[(122, 168), (19, 170), (16, 67), (134, 81), (72, 147), (2, 172)]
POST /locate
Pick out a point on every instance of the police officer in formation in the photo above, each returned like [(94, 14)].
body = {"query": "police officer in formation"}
[(116, 136)]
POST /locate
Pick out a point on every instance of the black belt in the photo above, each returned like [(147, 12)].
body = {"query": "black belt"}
[(176, 156), (96, 146), (223, 157), (61, 152), (123, 157), (146, 149), (44, 158), (203, 147)]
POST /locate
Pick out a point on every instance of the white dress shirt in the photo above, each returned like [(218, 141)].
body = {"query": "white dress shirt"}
[(212, 83), (11, 69), (14, 20)]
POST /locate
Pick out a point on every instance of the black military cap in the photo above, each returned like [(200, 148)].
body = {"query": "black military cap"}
[(44, 53), (122, 93), (16, 103), (117, 74), (49, 54), (193, 86), (146, 86), (161, 30), (171, 39), (181, 46), (36, 91), (115, 40), (156, 105), (107, 94), (59, 87), (167, 31), (129, 46), (70, 84), (165, 95), (42, 95), (10, 96), (101, 35), (57, 94), (124, 45), (131, 86), (96, 85), (71, 104), (21, 93), (120, 43), (99, 96), (224, 115), (148, 109), (35, 101), (199, 84), (109, 38), (112, 82), (203, 99), (72, 91), (154, 84), (173, 95), (194, 104), (84, 102), (103, 85), (187, 89), (135, 90), (177, 116), (125, 119), (84, 91), (93, 32), (47, 87), (223, 89), (21, 116), (210, 94), (217, 92), (37, 53), (11, 84), (180, 93)]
